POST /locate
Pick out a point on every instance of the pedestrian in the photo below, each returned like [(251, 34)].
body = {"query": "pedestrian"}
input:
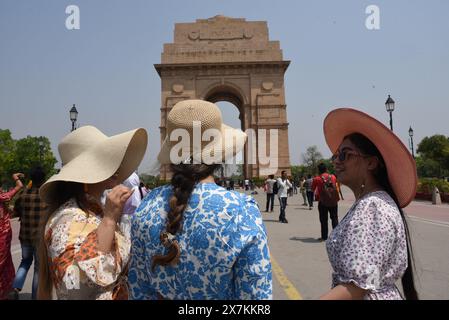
[(290, 189), (309, 191), (29, 209), (302, 189), (7, 271), (269, 183), (324, 186), (370, 250), (192, 239), (246, 184), (283, 185), (83, 253)]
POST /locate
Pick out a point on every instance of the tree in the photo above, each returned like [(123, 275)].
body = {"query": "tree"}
[(427, 167), (24, 154), (312, 158), (7, 146), (434, 154)]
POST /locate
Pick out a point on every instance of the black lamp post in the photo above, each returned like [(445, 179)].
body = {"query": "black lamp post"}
[(389, 105), (41, 149), (410, 133), (73, 117)]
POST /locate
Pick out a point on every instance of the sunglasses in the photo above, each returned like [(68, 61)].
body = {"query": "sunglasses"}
[(343, 155)]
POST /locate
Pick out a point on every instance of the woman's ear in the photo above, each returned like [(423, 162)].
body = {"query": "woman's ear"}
[(373, 163)]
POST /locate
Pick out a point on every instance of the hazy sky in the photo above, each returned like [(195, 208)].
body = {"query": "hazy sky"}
[(106, 67)]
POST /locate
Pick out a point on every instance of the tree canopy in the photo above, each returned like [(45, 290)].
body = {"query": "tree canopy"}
[(433, 159), (24, 154)]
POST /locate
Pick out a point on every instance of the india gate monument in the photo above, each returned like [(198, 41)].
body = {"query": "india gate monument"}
[(233, 60)]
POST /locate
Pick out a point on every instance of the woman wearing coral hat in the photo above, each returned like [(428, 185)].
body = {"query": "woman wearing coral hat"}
[(83, 254), (370, 249)]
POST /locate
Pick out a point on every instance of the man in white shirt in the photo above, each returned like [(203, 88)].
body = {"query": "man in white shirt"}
[(283, 185)]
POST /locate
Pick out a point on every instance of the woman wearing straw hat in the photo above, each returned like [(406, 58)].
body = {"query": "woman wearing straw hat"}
[(370, 249), (193, 239), (83, 255)]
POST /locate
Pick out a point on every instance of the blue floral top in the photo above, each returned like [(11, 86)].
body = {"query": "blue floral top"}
[(224, 249)]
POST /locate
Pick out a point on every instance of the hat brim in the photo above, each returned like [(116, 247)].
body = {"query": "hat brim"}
[(227, 148), (401, 166), (124, 151)]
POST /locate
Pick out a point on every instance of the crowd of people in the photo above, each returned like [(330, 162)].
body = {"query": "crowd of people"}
[(95, 232)]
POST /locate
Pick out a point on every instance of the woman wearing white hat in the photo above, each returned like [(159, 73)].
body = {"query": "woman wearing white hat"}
[(370, 249), (193, 239), (83, 255)]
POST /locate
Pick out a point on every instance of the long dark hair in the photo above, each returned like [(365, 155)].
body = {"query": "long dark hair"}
[(184, 179), (64, 191), (381, 176)]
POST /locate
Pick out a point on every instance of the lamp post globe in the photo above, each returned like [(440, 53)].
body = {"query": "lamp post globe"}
[(389, 105), (410, 133), (73, 116), (41, 149)]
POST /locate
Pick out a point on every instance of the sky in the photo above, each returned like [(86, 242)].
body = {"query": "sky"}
[(106, 67)]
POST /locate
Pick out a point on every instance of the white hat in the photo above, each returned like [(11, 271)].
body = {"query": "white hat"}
[(89, 156)]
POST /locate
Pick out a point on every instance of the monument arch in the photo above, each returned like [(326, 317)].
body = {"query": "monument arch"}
[(233, 60)]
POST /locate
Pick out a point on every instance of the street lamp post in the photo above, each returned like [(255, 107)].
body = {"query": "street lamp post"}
[(389, 105), (73, 117), (410, 133), (41, 149)]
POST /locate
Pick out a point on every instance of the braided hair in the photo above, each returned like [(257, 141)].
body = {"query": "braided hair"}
[(184, 179)]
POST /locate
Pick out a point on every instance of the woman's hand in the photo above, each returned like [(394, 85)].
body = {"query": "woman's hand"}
[(16, 177), (115, 201)]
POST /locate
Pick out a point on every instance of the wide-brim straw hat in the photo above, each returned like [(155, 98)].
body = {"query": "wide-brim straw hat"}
[(401, 166), (89, 156), (203, 115)]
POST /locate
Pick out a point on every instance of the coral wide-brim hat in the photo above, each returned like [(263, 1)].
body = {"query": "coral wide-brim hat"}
[(401, 166), (89, 156), (206, 138)]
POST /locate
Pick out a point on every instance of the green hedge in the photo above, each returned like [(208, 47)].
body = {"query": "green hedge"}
[(427, 185)]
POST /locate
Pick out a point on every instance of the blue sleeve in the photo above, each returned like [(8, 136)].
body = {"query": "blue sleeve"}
[(138, 281), (252, 270)]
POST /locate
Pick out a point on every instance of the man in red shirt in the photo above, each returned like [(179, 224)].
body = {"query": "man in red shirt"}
[(325, 187)]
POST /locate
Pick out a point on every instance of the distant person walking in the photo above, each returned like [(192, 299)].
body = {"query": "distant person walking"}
[(283, 185), (269, 184), (309, 190), (29, 209), (302, 190), (6, 265), (324, 185), (370, 250)]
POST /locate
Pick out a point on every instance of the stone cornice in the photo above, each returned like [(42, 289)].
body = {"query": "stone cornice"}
[(220, 66)]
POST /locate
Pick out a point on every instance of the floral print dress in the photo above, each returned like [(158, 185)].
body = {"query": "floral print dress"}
[(78, 269), (224, 250), (368, 248)]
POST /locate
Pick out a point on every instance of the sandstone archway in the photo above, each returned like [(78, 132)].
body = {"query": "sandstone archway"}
[(228, 59)]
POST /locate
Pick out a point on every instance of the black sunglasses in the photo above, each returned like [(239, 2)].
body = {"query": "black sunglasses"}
[(343, 155)]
